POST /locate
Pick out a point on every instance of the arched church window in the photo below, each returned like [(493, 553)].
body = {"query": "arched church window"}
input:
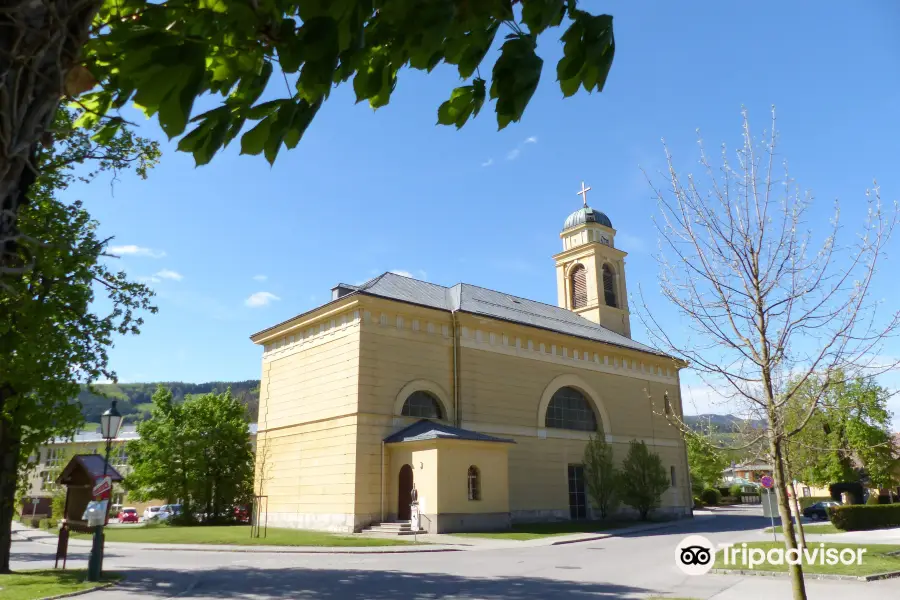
[(422, 404), (609, 286), (570, 409), (474, 481), (579, 287)]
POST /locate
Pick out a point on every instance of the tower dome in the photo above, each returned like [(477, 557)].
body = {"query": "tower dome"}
[(587, 215)]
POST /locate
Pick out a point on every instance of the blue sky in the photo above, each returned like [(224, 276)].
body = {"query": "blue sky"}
[(236, 246)]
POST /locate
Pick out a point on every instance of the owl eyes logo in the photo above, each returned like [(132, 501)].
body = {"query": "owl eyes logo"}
[(695, 555)]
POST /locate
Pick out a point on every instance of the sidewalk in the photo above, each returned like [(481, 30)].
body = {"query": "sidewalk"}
[(429, 542)]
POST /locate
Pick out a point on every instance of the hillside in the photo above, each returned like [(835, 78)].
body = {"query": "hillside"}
[(721, 423), (134, 399)]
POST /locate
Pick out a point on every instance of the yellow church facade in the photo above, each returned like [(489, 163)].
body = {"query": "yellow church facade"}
[(481, 401)]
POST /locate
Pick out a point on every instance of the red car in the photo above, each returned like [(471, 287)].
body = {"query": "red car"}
[(128, 515), (242, 514)]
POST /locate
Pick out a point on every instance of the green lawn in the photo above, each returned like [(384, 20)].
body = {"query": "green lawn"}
[(874, 561), (30, 585), (811, 529), (236, 534), (530, 531)]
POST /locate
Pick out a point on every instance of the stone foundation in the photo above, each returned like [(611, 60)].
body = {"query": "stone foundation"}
[(336, 523)]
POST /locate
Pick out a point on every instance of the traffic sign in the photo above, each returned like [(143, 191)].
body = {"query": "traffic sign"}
[(767, 482), (102, 486)]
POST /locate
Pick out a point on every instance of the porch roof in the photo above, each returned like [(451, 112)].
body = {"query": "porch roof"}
[(424, 429)]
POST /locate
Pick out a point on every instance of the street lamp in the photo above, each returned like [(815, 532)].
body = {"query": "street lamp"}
[(110, 422)]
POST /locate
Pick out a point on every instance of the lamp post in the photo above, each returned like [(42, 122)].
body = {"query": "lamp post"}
[(110, 422)]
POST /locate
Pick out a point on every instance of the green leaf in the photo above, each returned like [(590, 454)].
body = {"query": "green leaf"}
[(254, 141), (107, 132), (515, 77), (540, 14), (464, 102)]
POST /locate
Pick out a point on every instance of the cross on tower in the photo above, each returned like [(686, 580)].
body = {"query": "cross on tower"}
[(583, 193)]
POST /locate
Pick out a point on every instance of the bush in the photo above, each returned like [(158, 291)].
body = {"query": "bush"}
[(872, 500), (45, 524), (861, 517), (698, 503), (711, 496), (736, 490)]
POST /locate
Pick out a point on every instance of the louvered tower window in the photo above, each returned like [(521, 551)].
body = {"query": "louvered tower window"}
[(579, 287), (609, 286)]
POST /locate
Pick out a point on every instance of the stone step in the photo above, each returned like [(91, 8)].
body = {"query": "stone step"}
[(393, 528)]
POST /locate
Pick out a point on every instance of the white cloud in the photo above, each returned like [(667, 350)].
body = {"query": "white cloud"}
[(488, 162), (517, 151), (260, 299), (148, 279), (169, 274), (260, 277), (133, 250)]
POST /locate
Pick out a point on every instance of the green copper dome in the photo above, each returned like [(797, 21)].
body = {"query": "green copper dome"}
[(587, 215)]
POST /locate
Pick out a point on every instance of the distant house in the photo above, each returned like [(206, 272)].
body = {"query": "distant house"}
[(49, 457)]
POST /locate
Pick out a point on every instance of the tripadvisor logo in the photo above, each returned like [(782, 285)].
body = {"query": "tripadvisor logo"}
[(696, 555), (742, 556)]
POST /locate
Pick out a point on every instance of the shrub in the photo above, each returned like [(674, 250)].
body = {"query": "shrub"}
[(861, 517), (698, 503), (45, 524), (872, 500), (736, 490), (711, 496)]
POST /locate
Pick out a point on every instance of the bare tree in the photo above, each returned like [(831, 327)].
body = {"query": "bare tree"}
[(769, 303)]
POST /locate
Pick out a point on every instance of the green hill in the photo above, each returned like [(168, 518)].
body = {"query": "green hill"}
[(134, 399)]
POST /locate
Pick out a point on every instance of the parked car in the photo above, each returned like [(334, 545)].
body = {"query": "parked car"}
[(150, 512), (128, 515), (819, 510), (242, 513), (167, 511)]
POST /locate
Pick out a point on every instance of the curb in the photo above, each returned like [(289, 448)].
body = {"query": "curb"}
[(865, 578), (326, 550), (614, 533), (87, 591)]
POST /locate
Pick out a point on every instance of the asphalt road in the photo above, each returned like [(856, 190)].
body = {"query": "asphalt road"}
[(631, 566)]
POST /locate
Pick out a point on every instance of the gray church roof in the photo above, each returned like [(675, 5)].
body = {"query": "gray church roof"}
[(429, 430), (476, 300)]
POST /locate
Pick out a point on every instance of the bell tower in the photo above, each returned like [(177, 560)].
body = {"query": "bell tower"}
[(590, 271)]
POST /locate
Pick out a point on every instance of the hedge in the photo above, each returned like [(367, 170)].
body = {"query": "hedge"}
[(862, 517)]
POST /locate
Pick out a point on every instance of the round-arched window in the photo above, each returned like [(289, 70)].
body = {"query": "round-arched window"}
[(570, 409), (609, 286), (474, 483), (422, 404), (578, 286)]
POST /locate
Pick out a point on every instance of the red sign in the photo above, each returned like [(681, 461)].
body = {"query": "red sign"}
[(767, 482), (102, 488)]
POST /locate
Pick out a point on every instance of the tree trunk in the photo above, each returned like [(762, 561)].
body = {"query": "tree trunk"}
[(9, 468), (784, 512), (41, 41), (795, 505)]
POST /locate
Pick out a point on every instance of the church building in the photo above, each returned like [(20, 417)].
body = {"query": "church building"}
[(480, 400)]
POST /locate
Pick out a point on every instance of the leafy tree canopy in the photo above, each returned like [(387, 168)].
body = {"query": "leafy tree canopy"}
[(197, 452), (705, 459), (164, 56), (56, 336)]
